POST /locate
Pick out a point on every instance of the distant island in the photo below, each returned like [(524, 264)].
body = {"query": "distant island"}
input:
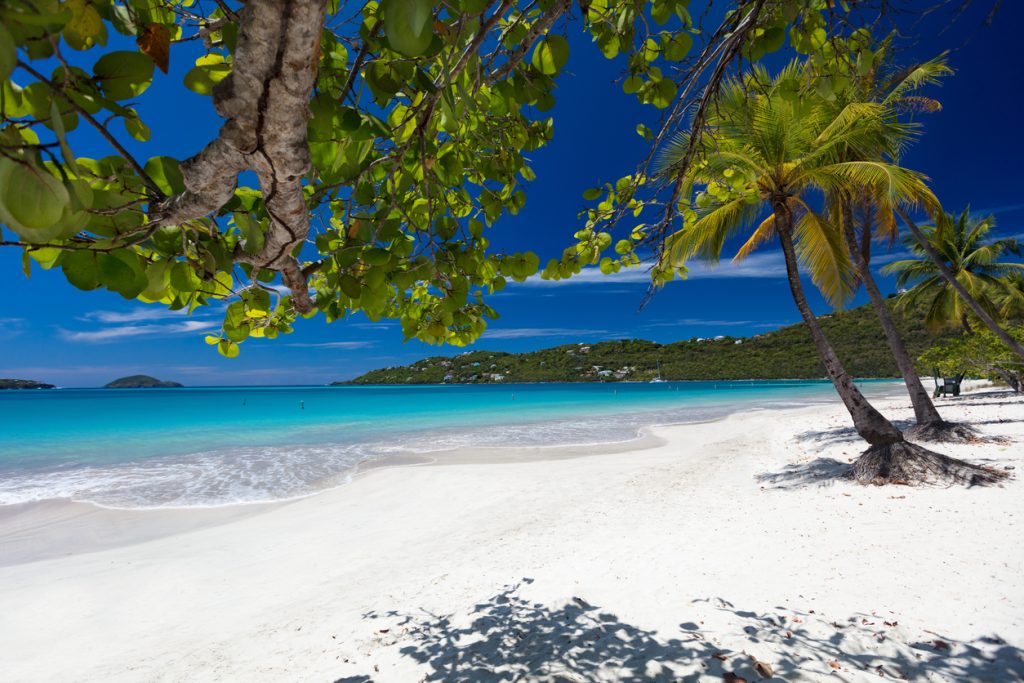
[(141, 382), (24, 384), (785, 353)]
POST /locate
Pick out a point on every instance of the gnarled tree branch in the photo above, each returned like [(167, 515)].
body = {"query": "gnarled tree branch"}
[(265, 101)]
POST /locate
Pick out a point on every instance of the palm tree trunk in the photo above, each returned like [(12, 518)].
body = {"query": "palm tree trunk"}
[(924, 409), (869, 423), (936, 258), (1007, 377)]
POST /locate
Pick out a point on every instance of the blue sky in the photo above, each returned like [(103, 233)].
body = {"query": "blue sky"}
[(972, 150)]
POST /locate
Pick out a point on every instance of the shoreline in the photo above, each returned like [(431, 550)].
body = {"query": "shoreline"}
[(40, 530), (58, 527), (641, 438), (727, 538)]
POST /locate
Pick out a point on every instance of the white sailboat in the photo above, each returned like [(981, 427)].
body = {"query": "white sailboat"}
[(658, 378)]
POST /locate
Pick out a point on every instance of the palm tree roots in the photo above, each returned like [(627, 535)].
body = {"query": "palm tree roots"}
[(944, 432), (902, 462)]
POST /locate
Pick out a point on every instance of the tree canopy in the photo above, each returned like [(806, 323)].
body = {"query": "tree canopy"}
[(365, 150)]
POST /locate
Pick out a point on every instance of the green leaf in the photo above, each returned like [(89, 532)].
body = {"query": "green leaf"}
[(407, 25), (675, 47), (166, 173), (807, 39), (32, 201), (772, 39), (123, 75), (591, 193), (8, 54), (183, 278), (81, 269), (85, 29), (122, 272), (663, 94), (201, 79), (550, 55), (136, 128), (227, 348)]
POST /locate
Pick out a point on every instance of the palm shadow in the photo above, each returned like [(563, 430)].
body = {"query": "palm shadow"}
[(819, 472), (508, 637)]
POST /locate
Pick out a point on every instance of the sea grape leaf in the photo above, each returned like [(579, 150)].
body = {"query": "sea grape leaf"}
[(31, 201), (408, 25), (550, 55), (123, 75), (166, 173)]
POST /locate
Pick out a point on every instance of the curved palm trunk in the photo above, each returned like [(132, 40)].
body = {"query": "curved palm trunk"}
[(869, 423), (924, 409), (936, 258)]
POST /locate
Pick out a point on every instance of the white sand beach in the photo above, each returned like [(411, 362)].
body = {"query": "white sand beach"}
[(720, 554)]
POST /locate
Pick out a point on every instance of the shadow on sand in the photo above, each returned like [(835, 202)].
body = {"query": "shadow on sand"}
[(509, 638)]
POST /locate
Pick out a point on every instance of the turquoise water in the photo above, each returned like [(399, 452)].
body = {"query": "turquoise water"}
[(219, 446)]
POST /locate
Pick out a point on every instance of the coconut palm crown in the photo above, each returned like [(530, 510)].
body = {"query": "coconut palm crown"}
[(977, 261), (772, 144)]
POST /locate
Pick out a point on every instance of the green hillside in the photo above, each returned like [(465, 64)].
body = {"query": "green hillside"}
[(786, 353)]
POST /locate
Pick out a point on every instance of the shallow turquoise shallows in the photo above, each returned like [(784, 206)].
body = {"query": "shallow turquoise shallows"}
[(219, 446)]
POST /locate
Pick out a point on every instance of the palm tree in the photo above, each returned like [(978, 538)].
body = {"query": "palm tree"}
[(860, 219), (947, 273), (975, 261), (766, 147)]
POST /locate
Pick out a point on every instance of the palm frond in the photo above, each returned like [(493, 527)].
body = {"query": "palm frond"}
[(707, 235), (821, 251), (764, 232)]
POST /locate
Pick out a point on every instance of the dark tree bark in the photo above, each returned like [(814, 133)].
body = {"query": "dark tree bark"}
[(869, 423), (979, 311), (924, 409)]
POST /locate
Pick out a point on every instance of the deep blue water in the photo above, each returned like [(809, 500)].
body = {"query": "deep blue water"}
[(216, 446)]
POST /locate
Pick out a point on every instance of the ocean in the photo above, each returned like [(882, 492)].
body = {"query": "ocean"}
[(201, 447)]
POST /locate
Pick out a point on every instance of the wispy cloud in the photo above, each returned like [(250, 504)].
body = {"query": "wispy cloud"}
[(525, 332), (382, 325), (1005, 208), (11, 327), (133, 316), (332, 345), (768, 264), (116, 332), (702, 322)]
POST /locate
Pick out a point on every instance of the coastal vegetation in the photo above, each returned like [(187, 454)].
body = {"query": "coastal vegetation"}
[(24, 384), (979, 354), (141, 382), (785, 353)]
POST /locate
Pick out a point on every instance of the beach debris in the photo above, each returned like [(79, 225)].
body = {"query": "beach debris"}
[(763, 669), (720, 656), (730, 677), (940, 644), (582, 603), (834, 664)]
